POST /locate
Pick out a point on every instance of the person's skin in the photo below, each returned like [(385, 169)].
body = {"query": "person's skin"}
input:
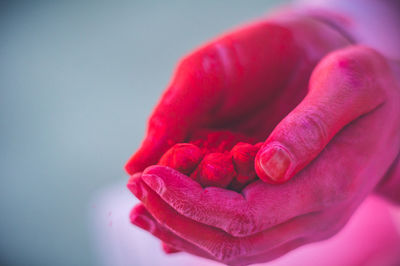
[(329, 110)]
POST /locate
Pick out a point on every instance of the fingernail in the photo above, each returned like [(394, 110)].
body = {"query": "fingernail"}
[(143, 222), (275, 162)]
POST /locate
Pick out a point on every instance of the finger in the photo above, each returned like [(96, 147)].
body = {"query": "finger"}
[(163, 233), (243, 155), (213, 206), (217, 140), (183, 157), (217, 243), (266, 244), (208, 86), (172, 238), (216, 169), (131, 185), (168, 249), (142, 218), (344, 86), (259, 207)]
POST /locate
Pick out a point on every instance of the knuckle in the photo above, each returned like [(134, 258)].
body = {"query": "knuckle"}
[(187, 208), (313, 128), (355, 70), (222, 250), (353, 59), (227, 250), (348, 71), (242, 224)]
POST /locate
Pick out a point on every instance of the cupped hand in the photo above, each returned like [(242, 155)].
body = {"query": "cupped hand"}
[(245, 81), (337, 144)]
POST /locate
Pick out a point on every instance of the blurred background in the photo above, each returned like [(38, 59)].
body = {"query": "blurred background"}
[(77, 82)]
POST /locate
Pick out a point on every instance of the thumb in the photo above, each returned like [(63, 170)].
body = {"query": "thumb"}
[(344, 86)]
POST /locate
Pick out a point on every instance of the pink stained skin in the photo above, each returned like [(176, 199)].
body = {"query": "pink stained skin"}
[(215, 170), (217, 140), (337, 138), (183, 157), (243, 155)]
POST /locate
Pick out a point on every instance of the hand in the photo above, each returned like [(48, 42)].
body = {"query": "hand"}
[(351, 109), (245, 81), (266, 221)]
